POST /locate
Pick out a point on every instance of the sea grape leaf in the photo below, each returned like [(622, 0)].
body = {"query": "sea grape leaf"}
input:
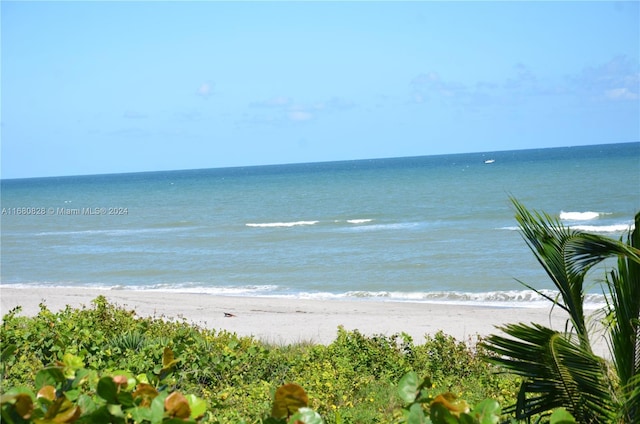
[(107, 390), (288, 399), (306, 416), (147, 392), (441, 415), (141, 414), (408, 387), (197, 405), (168, 359), (71, 363), (487, 412), (125, 399), (47, 392), (7, 352), (177, 406), (157, 408), (49, 376), (87, 405), (23, 405), (415, 414), (115, 410), (124, 376), (63, 411), (82, 375), (452, 403)]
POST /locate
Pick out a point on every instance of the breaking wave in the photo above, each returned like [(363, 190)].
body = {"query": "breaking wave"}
[(280, 224), (500, 299), (579, 216)]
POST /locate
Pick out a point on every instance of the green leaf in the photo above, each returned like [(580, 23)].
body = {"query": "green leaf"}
[(307, 416), (108, 390), (115, 410), (7, 352), (198, 406), (157, 408), (82, 375), (440, 415), (49, 376), (561, 416), (467, 419), (416, 415), (487, 412), (71, 364), (140, 414), (408, 387), (125, 399)]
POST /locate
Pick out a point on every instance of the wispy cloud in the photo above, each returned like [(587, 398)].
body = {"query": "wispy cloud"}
[(299, 115), (205, 90), (430, 83), (282, 109), (616, 80)]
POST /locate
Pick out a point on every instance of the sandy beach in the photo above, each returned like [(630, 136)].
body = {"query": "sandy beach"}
[(278, 320)]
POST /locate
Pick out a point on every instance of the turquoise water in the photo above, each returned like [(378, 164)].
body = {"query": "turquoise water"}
[(433, 228)]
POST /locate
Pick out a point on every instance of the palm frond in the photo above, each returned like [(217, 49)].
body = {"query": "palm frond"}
[(559, 368), (566, 255), (623, 309), (557, 372)]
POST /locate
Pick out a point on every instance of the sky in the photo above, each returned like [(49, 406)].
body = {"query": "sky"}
[(111, 87)]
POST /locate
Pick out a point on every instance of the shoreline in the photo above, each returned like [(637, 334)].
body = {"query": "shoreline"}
[(285, 321)]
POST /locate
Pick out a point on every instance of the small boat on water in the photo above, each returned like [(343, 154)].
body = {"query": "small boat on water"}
[(489, 161)]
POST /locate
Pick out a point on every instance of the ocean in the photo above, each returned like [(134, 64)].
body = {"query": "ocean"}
[(419, 229)]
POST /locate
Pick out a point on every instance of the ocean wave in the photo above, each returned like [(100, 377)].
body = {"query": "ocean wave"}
[(508, 298), (356, 224), (280, 224), (579, 216), (359, 221), (110, 232), (187, 288), (616, 228), (389, 226), (498, 298)]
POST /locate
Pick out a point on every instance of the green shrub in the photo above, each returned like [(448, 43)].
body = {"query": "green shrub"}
[(351, 380)]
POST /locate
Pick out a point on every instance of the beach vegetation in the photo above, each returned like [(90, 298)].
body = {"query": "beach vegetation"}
[(560, 368), (354, 379)]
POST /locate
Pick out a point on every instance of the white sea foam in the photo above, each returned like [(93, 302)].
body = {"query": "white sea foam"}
[(503, 299), (507, 299), (617, 228), (389, 226), (280, 224), (614, 228), (359, 221), (579, 216)]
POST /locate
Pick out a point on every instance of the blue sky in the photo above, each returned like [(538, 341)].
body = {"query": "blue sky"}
[(109, 87)]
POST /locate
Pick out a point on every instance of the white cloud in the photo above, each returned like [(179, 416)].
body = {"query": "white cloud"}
[(275, 102), (205, 89), (622, 93), (300, 115), (284, 108), (430, 84), (616, 80)]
